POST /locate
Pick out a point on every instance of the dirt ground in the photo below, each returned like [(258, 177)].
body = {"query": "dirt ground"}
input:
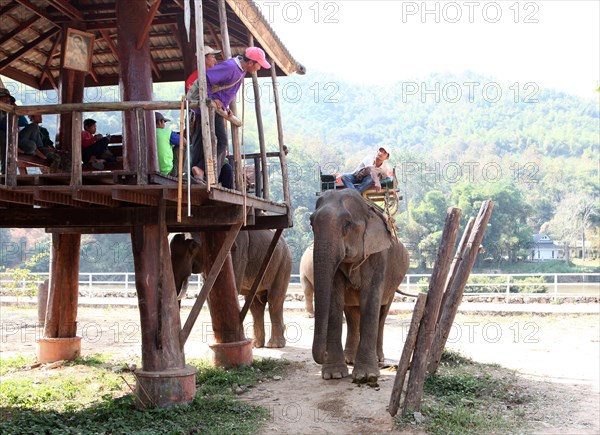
[(555, 357)]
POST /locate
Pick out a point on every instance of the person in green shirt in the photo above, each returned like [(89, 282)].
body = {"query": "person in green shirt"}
[(163, 145)]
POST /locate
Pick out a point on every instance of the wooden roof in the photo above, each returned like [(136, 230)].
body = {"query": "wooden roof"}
[(30, 38)]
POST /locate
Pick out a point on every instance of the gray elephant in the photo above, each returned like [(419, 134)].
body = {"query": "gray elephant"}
[(358, 265), (307, 275), (247, 255)]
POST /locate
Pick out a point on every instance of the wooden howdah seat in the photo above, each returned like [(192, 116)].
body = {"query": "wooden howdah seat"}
[(387, 198)]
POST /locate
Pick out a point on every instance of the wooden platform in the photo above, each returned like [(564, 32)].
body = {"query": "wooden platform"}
[(110, 202)]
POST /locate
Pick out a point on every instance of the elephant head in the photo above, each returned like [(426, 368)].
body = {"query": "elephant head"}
[(186, 259), (347, 231)]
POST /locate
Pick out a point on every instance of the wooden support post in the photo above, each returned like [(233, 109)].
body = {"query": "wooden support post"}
[(282, 158), (135, 77), (261, 274), (437, 285), (235, 131), (409, 346), (164, 379), (457, 287), (60, 340), (223, 299)]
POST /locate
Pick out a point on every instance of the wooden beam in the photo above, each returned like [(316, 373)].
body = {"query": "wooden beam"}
[(71, 217), (53, 197), (67, 9), (110, 43), (147, 26), (38, 11), (93, 197), (47, 73), (97, 107), (24, 25), (76, 127), (135, 197), (8, 60)]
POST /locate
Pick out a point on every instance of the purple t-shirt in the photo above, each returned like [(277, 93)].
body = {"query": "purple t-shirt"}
[(223, 74)]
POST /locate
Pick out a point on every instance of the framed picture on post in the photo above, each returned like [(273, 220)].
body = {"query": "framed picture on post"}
[(78, 51)]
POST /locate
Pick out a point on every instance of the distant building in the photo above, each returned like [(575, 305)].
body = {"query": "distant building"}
[(544, 248)]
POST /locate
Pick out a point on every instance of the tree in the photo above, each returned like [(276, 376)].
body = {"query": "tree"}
[(574, 215)]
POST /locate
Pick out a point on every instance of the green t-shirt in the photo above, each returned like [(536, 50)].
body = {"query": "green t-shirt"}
[(165, 152)]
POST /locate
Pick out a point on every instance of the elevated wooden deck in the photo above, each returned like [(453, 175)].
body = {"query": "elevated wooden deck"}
[(109, 202)]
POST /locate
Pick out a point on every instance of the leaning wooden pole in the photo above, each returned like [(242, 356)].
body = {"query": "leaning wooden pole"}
[(437, 285), (407, 351), (458, 257), (282, 159), (456, 290)]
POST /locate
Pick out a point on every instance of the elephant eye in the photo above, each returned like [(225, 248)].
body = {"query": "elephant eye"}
[(348, 225)]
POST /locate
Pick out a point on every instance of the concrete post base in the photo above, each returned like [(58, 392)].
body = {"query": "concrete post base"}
[(55, 349), (166, 388), (228, 355)]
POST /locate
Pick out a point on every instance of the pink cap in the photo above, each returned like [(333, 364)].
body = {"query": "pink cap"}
[(256, 54)]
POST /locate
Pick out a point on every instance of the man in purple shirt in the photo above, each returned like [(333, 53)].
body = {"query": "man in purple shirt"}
[(223, 81)]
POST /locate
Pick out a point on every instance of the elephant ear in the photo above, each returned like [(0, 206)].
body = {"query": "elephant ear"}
[(378, 235)]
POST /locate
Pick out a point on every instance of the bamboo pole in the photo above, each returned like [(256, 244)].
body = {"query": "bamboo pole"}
[(10, 163), (76, 179), (282, 158), (45, 109), (426, 333), (235, 132), (407, 351), (204, 113), (456, 290), (180, 160), (261, 132)]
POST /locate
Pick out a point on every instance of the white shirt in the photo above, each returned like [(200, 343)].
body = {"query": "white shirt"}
[(383, 171)]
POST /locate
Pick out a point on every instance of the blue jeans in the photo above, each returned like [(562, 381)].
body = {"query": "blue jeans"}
[(349, 180)]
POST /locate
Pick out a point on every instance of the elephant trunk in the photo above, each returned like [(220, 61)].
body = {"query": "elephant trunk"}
[(326, 262)]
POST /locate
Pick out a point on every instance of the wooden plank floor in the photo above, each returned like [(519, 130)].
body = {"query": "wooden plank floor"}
[(110, 202)]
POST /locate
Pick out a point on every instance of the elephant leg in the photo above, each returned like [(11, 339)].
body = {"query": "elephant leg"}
[(366, 366), (353, 334), (257, 308), (276, 298), (335, 366), (309, 292), (382, 316)]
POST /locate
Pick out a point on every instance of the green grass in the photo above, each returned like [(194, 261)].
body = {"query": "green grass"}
[(89, 396), (465, 397)]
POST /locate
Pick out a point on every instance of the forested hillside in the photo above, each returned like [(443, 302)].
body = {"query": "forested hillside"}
[(455, 140)]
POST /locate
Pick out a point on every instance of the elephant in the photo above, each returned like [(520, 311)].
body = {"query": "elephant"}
[(187, 257), (307, 280), (358, 265)]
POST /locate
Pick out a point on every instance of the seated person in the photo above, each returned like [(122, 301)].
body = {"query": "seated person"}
[(369, 172), (94, 147), (36, 137), (164, 148), (6, 98)]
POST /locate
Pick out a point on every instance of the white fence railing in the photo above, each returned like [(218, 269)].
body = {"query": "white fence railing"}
[(531, 284)]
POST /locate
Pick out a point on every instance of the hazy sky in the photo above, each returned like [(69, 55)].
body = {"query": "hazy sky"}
[(553, 43)]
